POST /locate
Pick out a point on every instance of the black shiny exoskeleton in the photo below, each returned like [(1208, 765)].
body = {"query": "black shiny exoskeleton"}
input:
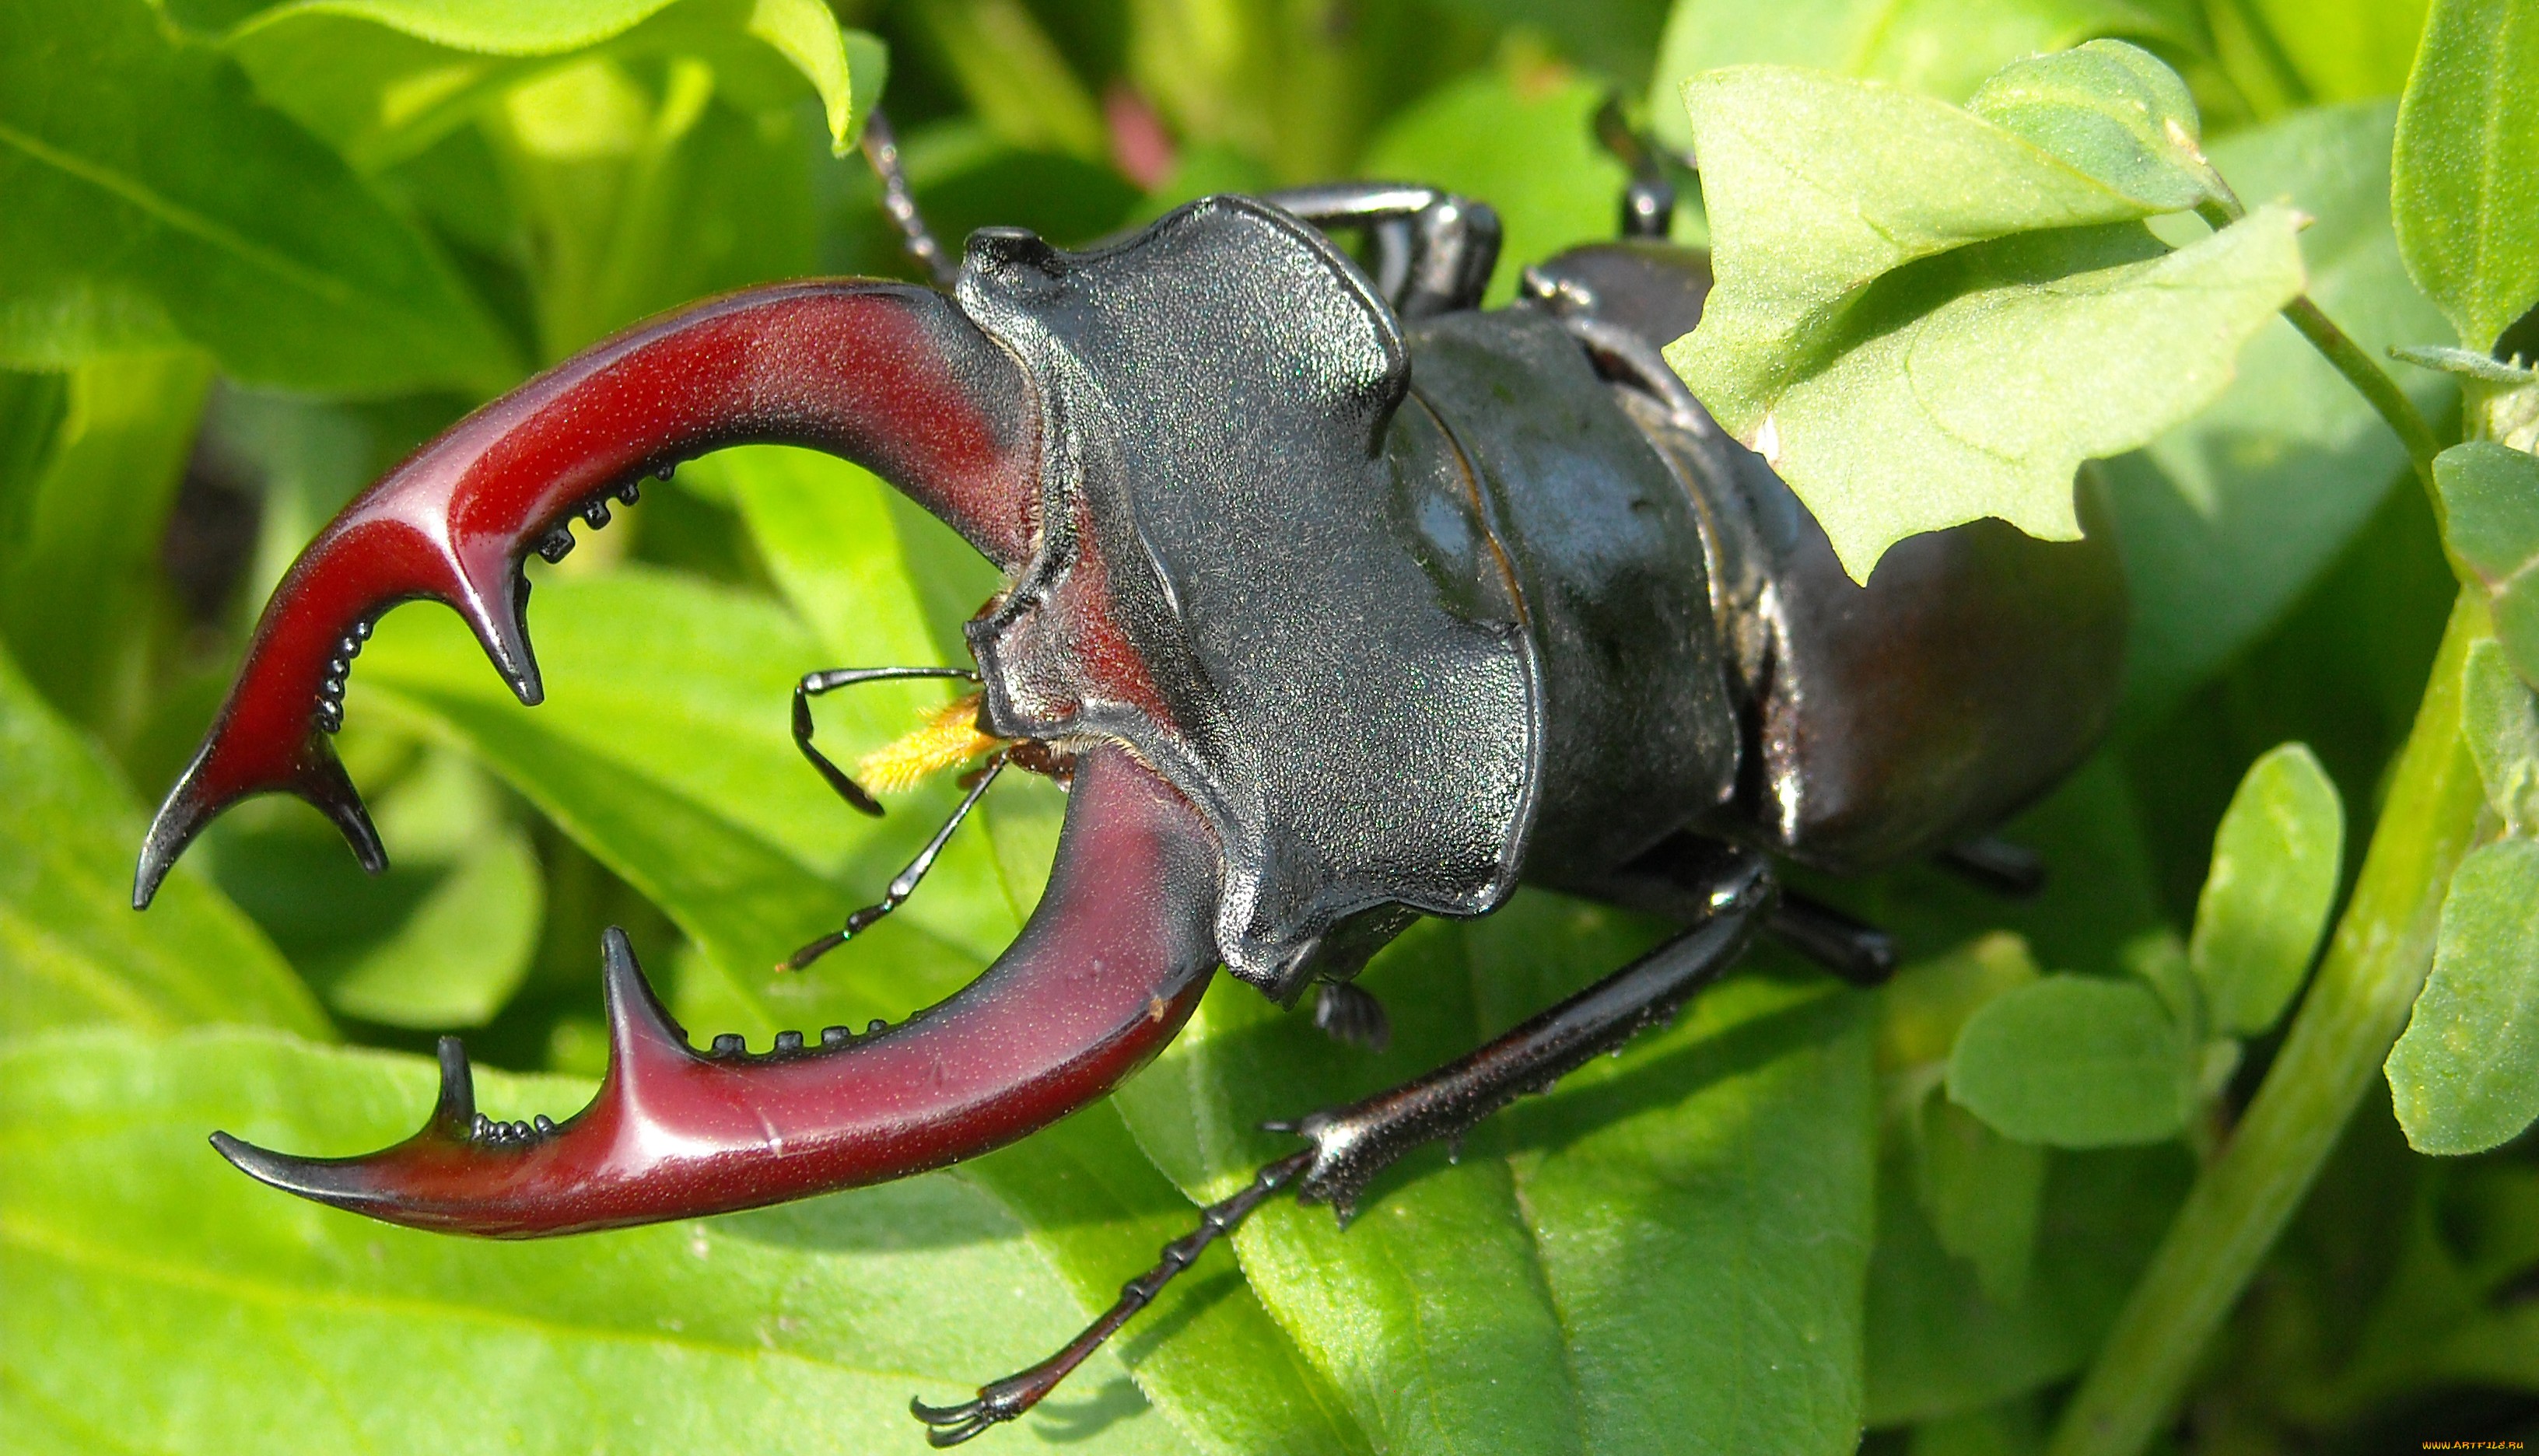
[(1436, 600)]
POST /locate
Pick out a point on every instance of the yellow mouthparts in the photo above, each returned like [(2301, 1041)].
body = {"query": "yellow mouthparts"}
[(947, 738)]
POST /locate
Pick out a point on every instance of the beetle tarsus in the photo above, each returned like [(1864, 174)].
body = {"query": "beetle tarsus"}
[(1855, 950), (1001, 1401), (904, 883)]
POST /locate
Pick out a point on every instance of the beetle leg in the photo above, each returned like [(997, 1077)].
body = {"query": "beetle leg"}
[(1352, 1143), (2013, 872), (1857, 951), (1350, 1014), (1435, 250), (1111, 964), (1006, 1399), (905, 883)]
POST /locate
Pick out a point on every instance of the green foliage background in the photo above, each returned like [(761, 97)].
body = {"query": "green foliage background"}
[(252, 253)]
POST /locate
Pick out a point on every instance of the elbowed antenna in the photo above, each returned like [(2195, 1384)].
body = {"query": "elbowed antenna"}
[(1109, 967), (890, 375)]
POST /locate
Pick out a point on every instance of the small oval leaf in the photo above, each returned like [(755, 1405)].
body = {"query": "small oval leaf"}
[(2491, 508), (2502, 725), (2073, 1061), (2266, 898), (2465, 1076)]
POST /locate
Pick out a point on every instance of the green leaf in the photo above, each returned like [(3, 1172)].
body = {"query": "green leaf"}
[(2465, 1074), (1913, 349), (72, 950), (160, 1300), (1926, 1005), (1938, 1343), (1690, 1218), (2466, 364), (2467, 185), (1940, 47), (457, 960), (2491, 519), (2500, 722), (492, 27), (1983, 1193), (2344, 50), (228, 225), (2266, 899), (2075, 1061), (1524, 143), (1977, 387), (82, 545), (1013, 76), (2114, 113), (2229, 517), (441, 940), (383, 79), (743, 847), (1817, 185)]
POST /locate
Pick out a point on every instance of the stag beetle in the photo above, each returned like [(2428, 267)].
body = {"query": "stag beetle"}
[(1334, 599)]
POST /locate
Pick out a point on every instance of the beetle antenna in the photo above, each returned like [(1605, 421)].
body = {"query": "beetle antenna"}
[(1002, 1400), (905, 883), (813, 684), (881, 149)]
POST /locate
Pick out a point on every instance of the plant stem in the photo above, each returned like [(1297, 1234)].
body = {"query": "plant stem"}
[(2374, 384), (2353, 1011), (2360, 368)]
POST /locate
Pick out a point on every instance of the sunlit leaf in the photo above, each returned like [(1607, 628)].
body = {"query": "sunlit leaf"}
[(381, 79), (2114, 113), (1940, 47), (1911, 352), (230, 228), (1985, 380), (2500, 722), (72, 950), (2266, 899), (2227, 518), (1690, 1217), (2075, 1061), (157, 1294), (2344, 50), (2465, 1074), (2467, 185), (2490, 501)]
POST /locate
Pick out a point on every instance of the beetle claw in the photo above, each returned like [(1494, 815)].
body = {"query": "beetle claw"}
[(893, 376), (950, 1426), (1110, 965)]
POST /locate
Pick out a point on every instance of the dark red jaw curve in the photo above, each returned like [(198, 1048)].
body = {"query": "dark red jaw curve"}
[(892, 377), (1105, 973)]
